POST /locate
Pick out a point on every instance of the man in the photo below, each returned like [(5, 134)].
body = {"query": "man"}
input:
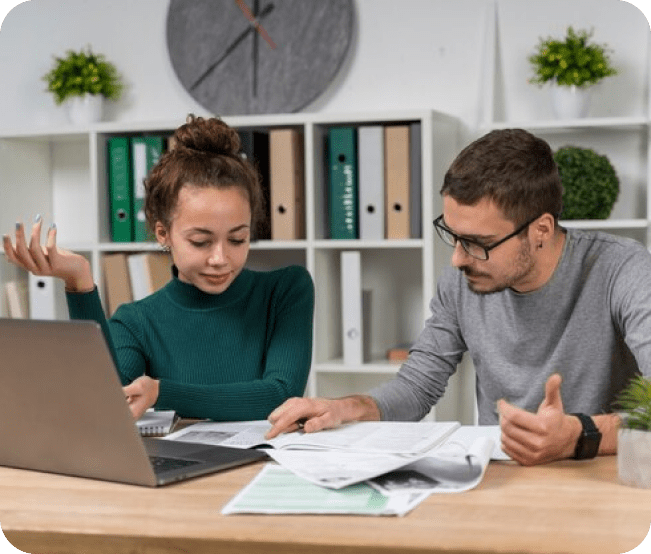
[(534, 305)]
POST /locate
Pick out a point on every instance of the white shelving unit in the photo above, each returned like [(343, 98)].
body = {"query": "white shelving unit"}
[(62, 175), (618, 124)]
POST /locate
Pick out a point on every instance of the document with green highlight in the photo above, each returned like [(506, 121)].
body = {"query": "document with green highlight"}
[(276, 490)]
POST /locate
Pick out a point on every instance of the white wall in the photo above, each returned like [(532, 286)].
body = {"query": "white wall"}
[(408, 53), (416, 54)]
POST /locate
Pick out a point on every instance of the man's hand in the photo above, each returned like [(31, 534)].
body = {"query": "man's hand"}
[(141, 395), (549, 434), (315, 414)]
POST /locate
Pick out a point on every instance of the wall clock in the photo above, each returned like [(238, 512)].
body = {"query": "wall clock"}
[(258, 56)]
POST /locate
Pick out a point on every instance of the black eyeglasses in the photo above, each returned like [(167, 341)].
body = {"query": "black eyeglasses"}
[(474, 249)]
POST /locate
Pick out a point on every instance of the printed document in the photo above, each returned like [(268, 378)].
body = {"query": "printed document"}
[(385, 437), (276, 490)]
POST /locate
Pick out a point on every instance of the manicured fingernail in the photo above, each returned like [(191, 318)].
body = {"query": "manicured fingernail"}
[(53, 226), (18, 225), (37, 218)]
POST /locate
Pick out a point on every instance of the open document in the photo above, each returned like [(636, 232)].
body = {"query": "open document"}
[(452, 466), (382, 437), (456, 455), (276, 490)]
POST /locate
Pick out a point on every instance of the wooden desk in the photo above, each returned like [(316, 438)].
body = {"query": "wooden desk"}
[(574, 507)]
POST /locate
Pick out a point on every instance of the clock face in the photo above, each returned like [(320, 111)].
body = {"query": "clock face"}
[(257, 56)]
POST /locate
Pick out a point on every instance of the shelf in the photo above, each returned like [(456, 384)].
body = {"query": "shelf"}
[(333, 244), (605, 224), (556, 125), (379, 366)]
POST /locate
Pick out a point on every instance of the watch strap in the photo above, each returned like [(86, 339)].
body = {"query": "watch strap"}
[(588, 444)]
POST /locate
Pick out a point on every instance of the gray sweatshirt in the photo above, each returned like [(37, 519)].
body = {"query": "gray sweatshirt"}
[(591, 322)]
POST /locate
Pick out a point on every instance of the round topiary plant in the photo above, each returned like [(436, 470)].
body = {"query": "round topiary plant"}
[(590, 184)]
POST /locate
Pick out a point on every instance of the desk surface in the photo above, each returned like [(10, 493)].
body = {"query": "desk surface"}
[(574, 507)]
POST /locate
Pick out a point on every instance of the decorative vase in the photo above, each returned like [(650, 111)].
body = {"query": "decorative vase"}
[(86, 109), (634, 458), (570, 102)]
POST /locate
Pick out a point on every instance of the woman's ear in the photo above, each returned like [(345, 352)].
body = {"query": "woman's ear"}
[(162, 235)]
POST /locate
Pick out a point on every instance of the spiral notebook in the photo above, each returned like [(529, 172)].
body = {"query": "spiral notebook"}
[(156, 423)]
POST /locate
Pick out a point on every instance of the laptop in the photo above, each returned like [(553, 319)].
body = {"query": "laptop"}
[(63, 410)]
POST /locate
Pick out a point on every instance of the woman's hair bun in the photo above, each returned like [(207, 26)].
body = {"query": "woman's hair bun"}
[(211, 136)]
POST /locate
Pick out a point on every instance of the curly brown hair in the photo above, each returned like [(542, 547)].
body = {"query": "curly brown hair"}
[(202, 153)]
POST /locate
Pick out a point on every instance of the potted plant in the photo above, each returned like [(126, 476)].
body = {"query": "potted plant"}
[(634, 435), (590, 183), (572, 66), (82, 80)]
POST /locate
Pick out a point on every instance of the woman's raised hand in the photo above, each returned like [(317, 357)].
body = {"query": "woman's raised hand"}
[(47, 259)]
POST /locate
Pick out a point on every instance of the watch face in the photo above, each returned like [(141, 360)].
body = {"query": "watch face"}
[(258, 56)]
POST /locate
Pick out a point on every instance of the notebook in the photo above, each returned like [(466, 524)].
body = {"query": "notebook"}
[(64, 411), (157, 423)]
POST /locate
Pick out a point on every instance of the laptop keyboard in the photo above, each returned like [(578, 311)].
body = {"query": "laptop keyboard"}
[(160, 463)]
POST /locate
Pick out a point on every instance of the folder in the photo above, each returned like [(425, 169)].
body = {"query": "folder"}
[(370, 146), (117, 282), (148, 272), (351, 308), (255, 146), (397, 176), (42, 299), (17, 299), (286, 169), (416, 181), (120, 189), (342, 189), (145, 153)]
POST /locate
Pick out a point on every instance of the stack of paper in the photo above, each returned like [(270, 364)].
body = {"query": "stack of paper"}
[(375, 468)]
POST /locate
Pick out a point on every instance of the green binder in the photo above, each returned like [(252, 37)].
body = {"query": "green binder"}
[(145, 153), (342, 189), (120, 190)]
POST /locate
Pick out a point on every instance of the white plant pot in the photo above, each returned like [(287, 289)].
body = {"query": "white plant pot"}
[(570, 102), (634, 458), (86, 109)]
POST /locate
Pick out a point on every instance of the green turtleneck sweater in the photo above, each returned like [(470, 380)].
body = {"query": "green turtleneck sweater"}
[(226, 357)]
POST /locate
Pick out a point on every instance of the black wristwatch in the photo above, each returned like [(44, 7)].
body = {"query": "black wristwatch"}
[(589, 440)]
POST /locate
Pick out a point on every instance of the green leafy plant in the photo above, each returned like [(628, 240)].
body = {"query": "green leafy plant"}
[(590, 184), (572, 61), (635, 401), (83, 72)]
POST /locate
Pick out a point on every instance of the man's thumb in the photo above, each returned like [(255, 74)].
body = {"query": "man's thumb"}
[(553, 392)]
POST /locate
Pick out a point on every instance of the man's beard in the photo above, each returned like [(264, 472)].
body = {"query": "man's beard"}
[(522, 266)]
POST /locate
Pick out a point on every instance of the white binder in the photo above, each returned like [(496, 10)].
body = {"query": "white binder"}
[(351, 308), (42, 297), (370, 146)]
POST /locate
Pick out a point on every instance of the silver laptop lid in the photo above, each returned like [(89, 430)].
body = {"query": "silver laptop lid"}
[(61, 404)]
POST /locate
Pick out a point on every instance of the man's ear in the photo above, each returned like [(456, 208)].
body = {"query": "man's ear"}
[(543, 228)]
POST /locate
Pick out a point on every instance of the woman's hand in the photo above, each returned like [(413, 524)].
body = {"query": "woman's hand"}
[(47, 259), (141, 395)]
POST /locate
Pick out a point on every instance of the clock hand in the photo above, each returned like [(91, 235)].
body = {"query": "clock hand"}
[(256, 9), (253, 18), (267, 10)]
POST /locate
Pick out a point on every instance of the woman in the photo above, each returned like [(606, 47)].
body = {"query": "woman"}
[(219, 341)]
